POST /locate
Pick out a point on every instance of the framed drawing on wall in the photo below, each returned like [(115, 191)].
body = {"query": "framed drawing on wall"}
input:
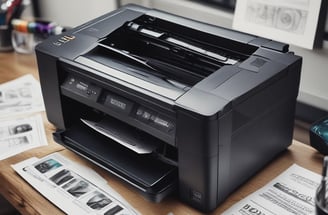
[(297, 22)]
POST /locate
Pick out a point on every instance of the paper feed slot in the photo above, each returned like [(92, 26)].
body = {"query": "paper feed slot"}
[(152, 177), (134, 140), (157, 48)]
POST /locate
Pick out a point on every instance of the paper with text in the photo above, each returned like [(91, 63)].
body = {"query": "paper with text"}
[(292, 192)]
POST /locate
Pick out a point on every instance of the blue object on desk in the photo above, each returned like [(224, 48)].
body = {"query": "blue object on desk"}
[(319, 135), (2, 18)]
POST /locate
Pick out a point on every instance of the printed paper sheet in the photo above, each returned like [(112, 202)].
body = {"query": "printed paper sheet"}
[(73, 188), (20, 96), (292, 192), (20, 134)]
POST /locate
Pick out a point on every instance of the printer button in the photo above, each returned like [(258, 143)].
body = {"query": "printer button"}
[(146, 115), (71, 81), (143, 114), (153, 117), (155, 120), (139, 112)]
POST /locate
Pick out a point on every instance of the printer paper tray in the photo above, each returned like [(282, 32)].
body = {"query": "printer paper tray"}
[(155, 179)]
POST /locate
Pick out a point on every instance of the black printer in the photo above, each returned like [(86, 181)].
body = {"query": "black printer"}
[(170, 104)]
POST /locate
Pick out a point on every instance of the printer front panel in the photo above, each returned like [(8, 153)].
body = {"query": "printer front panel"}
[(109, 99), (131, 117)]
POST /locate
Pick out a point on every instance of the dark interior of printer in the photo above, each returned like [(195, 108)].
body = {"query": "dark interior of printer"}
[(158, 170), (163, 151), (183, 55), (158, 166)]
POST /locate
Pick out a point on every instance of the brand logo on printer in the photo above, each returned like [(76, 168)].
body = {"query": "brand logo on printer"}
[(64, 39)]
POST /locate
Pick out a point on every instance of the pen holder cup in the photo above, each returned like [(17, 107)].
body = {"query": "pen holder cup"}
[(24, 42), (5, 38)]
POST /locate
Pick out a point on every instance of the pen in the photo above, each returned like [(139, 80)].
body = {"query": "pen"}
[(12, 9)]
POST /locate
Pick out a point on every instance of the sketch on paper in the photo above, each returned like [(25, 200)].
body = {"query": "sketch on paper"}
[(20, 134), (289, 21), (20, 96), (72, 187), (276, 16)]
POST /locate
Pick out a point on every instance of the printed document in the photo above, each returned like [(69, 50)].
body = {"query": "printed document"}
[(73, 188), (292, 192), (21, 134), (20, 96)]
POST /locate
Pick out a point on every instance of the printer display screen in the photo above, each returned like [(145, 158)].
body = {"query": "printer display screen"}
[(177, 54)]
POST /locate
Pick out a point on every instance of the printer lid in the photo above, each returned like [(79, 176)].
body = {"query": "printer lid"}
[(161, 56)]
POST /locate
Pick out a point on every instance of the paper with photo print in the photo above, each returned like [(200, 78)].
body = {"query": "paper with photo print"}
[(21, 134), (289, 21), (71, 187), (20, 96)]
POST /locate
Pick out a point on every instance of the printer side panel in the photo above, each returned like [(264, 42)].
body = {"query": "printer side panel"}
[(218, 153), (262, 125)]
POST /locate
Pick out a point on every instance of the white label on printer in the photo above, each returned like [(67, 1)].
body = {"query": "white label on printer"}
[(162, 122), (118, 103), (82, 86)]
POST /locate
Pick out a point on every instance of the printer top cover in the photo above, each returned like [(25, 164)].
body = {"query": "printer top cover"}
[(163, 101)]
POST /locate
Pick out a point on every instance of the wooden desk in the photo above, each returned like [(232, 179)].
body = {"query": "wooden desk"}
[(29, 201)]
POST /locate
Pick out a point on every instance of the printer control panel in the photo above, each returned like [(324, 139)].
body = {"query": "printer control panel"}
[(95, 96), (82, 88), (154, 119), (138, 112), (117, 103)]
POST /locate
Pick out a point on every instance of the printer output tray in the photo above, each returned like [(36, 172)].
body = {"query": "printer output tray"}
[(153, 178)]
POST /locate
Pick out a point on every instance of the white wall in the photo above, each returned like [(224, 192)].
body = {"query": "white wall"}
[(314, 76), (71, 13)]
